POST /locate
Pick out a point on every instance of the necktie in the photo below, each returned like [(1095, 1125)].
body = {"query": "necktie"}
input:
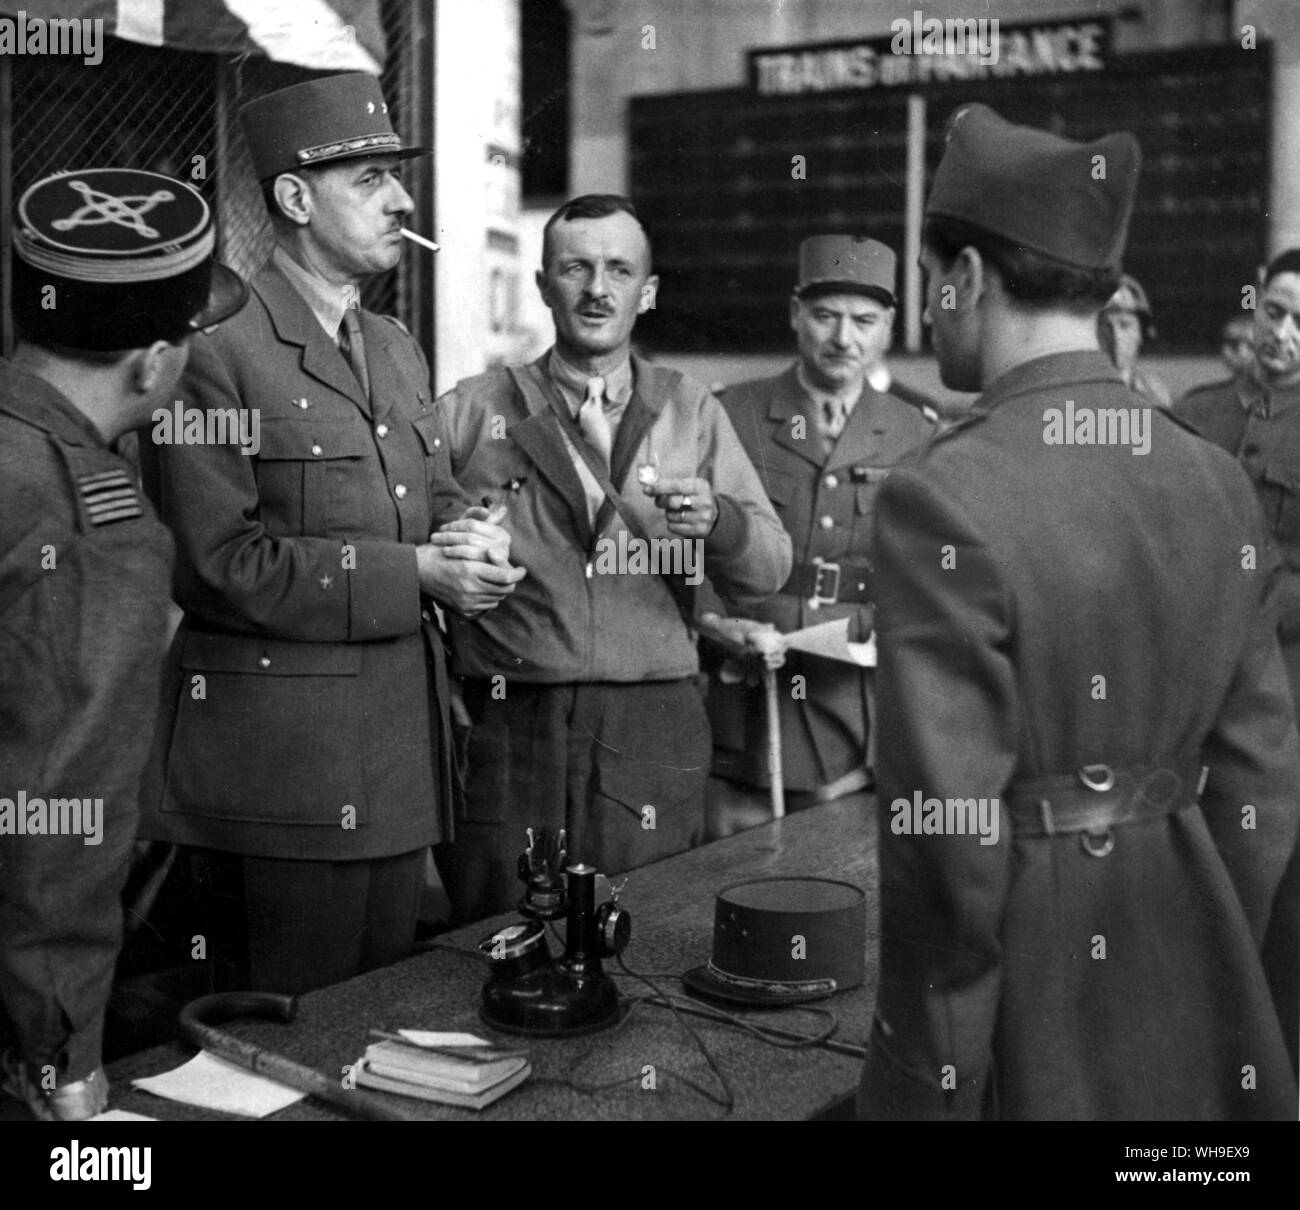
[(353, 346), (593, 421), (833, 411)]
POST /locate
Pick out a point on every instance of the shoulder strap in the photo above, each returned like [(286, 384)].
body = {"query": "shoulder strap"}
[(538, 389)]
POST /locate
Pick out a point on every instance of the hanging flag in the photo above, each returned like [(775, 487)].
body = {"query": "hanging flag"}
[(323, 35)]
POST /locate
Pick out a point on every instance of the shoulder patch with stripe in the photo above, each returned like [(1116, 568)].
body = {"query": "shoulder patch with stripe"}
[(109, 496)]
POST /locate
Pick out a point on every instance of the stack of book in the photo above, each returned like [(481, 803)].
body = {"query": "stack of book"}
[(471, 1074)]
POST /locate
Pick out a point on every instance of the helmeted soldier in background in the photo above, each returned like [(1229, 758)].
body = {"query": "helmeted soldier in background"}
[(113, 272), (1124, 326)]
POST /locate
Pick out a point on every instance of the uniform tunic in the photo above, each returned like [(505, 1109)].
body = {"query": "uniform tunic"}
[(1043, 607), (302, 719), (306, 701), (85, 572), (1261, 429), (826, 502)]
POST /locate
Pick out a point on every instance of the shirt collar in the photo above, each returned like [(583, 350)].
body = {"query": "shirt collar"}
[(1251, 392), (880, 379), (327, 301), (573, 381), (819, 395)]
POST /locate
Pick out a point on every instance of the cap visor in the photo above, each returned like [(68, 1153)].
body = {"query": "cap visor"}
[(227, 294), (818, 289), (701, 983)]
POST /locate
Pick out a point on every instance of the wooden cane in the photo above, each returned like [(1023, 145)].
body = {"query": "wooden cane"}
[(194, 1024)]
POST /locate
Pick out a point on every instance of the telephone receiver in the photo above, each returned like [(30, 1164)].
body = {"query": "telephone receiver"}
[(529, 991)]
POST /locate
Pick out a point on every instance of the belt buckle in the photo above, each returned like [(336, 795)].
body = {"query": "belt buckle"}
[(820, 597), (1098, 777)]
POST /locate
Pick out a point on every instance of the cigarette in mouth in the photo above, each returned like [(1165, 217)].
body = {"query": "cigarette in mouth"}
[(419, 239)]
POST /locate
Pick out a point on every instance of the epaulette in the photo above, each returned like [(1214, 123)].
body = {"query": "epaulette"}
[(917, 399), (1181, 422), (1206, 387), (947, 429), (392, 319)]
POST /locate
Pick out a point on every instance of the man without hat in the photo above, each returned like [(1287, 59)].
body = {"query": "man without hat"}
[(1256, 418), (305, 753), (1088, 750), (112, 274), (582, 685), (824, 435)]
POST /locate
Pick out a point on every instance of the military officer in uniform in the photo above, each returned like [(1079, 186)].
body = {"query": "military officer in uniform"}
[(1256, 418), (304, 754), (823, 435), (113, 273), (1088, 749)]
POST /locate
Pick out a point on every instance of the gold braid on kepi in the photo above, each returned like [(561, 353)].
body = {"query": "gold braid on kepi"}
[(117, 258)]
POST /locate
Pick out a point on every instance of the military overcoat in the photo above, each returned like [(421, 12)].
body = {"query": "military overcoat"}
[(1044, 608)]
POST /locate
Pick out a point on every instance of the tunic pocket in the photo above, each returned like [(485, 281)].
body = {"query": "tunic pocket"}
[(262, 732), (308, 472)]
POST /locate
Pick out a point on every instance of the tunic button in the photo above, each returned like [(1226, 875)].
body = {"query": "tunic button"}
[(382, 430), (400, 491), (437, 443), (827, 522), (832, 481), (316, 449), (263, 661)]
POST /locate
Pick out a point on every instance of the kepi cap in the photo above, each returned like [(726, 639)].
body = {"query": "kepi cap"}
[(849, 264), (780, 941), (1067, 200), (117, 258), (343, 117)]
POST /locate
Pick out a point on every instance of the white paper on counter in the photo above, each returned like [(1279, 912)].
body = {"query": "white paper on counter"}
[(213, 1083)]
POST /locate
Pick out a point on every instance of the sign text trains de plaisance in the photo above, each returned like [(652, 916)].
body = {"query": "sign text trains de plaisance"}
[(930, 51)]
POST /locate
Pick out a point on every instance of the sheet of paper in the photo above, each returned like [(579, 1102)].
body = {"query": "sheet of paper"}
[(212, 1083), (121, 1115), (433, 1037), (831, 640)]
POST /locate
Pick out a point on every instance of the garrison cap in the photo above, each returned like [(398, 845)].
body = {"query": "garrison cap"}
[(846, 264), (117, 258), (342, 117), (1037, 189)]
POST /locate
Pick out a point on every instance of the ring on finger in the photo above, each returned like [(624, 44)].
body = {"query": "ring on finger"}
[(686, 503)]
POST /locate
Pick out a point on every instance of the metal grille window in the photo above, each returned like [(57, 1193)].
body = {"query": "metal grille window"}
[(176, 112)]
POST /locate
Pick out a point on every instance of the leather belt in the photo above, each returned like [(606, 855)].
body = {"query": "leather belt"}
[(825, 583), (1097, 798)]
